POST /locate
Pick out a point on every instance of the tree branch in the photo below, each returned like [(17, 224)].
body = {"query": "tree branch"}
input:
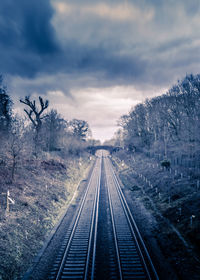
[(30, 117)]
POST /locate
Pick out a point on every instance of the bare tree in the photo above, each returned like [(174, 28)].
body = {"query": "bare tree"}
[(5, 108), (35, 114), (15, 143), (53, 130), (15, 150), (80, 129), (169, 124)]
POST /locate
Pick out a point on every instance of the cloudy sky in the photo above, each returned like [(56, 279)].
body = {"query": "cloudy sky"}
[(94, 60)]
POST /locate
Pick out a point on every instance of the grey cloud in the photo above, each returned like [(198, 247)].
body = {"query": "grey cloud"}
[(109, 52), (173, 44), (37, 30), (25, 25), (29, 46), (26, 34), (42, 50), (192, 7)]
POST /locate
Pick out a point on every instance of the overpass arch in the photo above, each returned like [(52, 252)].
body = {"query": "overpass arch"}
[(111, 149)]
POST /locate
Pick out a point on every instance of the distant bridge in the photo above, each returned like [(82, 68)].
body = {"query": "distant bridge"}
[(111, 149)]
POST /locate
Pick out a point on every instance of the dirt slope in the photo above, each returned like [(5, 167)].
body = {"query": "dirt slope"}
[(165, 224), (42, 190)]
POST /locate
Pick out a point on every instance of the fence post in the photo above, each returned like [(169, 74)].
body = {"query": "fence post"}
[(7, 201)]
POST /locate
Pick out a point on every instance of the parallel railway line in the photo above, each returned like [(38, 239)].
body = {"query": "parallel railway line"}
[(78, 253)]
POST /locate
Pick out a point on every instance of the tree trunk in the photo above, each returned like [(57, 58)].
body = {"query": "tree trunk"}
[(13, 168)]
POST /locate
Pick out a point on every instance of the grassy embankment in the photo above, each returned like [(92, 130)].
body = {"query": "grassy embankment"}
[(42, 189), (172, 196)]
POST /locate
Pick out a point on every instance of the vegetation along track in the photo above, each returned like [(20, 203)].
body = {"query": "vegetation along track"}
[(81, 256)]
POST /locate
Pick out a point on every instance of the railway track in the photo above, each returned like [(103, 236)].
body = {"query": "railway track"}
[(133, 258), (76, 257), (127, 257)]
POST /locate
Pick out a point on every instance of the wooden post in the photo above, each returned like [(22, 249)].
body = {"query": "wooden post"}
[(7, 201)]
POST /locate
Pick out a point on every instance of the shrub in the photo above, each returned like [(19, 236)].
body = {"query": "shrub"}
[(166, 163)]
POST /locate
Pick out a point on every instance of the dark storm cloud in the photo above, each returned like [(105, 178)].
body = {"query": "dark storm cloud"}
[(25, 25), (29, 46), (37, 30), (26, 34), (130, 45), (94, 59)]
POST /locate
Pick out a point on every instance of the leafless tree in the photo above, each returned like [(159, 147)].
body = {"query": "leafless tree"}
[(53, 131), (80, 129), (170, 120), (35, 114), (5, 108), (15, 143)]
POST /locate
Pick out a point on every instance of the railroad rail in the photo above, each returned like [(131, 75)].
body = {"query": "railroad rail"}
[(77, 256), (133, 258)]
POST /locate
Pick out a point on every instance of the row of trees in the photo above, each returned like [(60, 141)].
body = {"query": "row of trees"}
[(167, 124), (39, 130), (51, 130), (5, 108)]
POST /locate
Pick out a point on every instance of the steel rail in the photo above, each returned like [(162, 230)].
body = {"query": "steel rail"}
[(77, 259), (132, 224), (114, 233), (75, 223), (93, 226), (125, 233), (96, 224)]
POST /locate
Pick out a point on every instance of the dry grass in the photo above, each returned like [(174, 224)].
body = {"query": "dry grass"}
[(183, 193), (42, 191)]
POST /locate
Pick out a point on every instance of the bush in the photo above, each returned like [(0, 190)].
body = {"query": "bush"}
[(166, 163)]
